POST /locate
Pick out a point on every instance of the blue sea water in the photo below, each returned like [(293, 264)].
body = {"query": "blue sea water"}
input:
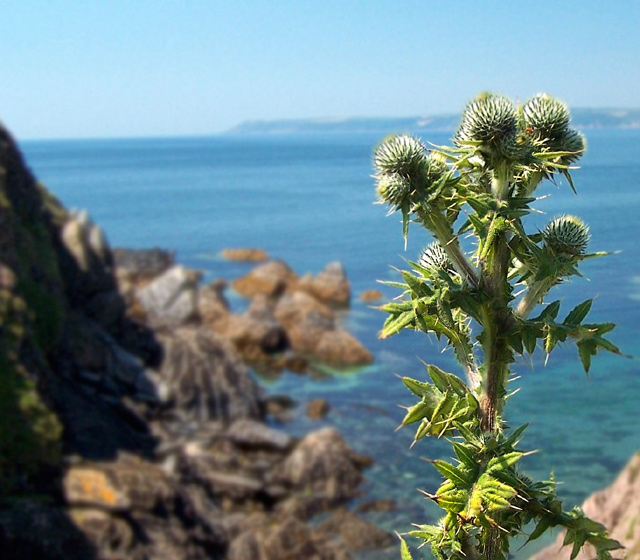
[(309, 200)]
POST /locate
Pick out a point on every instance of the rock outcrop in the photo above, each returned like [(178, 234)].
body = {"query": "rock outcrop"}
[(131, 425), (618, 509)]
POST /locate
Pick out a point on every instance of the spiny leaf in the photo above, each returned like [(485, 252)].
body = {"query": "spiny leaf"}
[(418, 388), (549, 313), (503, 462), (426, 532), (578, 313), (513, 438), (453, 500), (404, 549), (454, 474), (467, 456), (417, 413), (394, 325)]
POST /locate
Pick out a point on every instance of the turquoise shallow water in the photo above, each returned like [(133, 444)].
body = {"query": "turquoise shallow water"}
[(309, 200)]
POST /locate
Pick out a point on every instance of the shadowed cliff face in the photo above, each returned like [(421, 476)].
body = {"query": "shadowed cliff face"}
[(30, 280)]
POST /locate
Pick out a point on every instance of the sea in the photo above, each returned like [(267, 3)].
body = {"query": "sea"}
[(309, 199)]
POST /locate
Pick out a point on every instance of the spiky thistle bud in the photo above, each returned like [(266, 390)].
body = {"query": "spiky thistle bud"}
[(515, 147), (402, 154), (487, 118), (546, 116), (395, 190), (434, 257), (566, 236), (574, 142)]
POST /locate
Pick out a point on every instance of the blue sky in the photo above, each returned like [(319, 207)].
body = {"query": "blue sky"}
[(112, 68)]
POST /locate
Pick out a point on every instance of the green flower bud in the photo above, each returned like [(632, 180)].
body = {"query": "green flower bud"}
[(566, 236), (487, 118), (516, 147), (403, 154), (434, 257), (394, 190), (546, 116), (572, 141)]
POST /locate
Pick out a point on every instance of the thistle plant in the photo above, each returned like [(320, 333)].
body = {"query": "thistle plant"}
[(492, 308)]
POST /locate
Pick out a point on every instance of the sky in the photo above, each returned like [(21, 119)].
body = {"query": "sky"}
[(136, 68)]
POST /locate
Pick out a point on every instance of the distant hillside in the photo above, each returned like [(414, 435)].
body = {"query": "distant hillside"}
[(581, 118)]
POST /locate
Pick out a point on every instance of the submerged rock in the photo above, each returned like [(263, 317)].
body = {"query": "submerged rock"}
[(249, 255), (371, 295), (318, 408)]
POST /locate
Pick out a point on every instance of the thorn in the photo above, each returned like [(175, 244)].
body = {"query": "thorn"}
[(429, 495)]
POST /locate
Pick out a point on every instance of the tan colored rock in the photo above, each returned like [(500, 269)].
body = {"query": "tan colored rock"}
[(371, 295), (617, 508), (256, 334), (318, 408), (212, 305), (312, 330), (249, 255), (270, 279), (341, 349), (91, 486), (305, 320), (329, 286)]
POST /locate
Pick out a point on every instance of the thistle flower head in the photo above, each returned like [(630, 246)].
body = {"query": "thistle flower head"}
[(572, 141), (546, 116), (566, 236), (402, 154), (515, 147), (434, 257), (394, 189), (488, 118)]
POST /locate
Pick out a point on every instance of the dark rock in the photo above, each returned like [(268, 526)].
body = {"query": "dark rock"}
[(86, 260), (36, 531), (204, 379), (143, 265)]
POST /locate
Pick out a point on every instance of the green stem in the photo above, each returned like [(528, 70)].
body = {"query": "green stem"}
[(497, 323), (500, 183), (532, 297), (442, 231)]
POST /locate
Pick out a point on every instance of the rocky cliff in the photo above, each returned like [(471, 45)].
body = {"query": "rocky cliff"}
[(617, 508), (131, 426)]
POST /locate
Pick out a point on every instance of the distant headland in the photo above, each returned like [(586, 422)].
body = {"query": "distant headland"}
[(582, 118)]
